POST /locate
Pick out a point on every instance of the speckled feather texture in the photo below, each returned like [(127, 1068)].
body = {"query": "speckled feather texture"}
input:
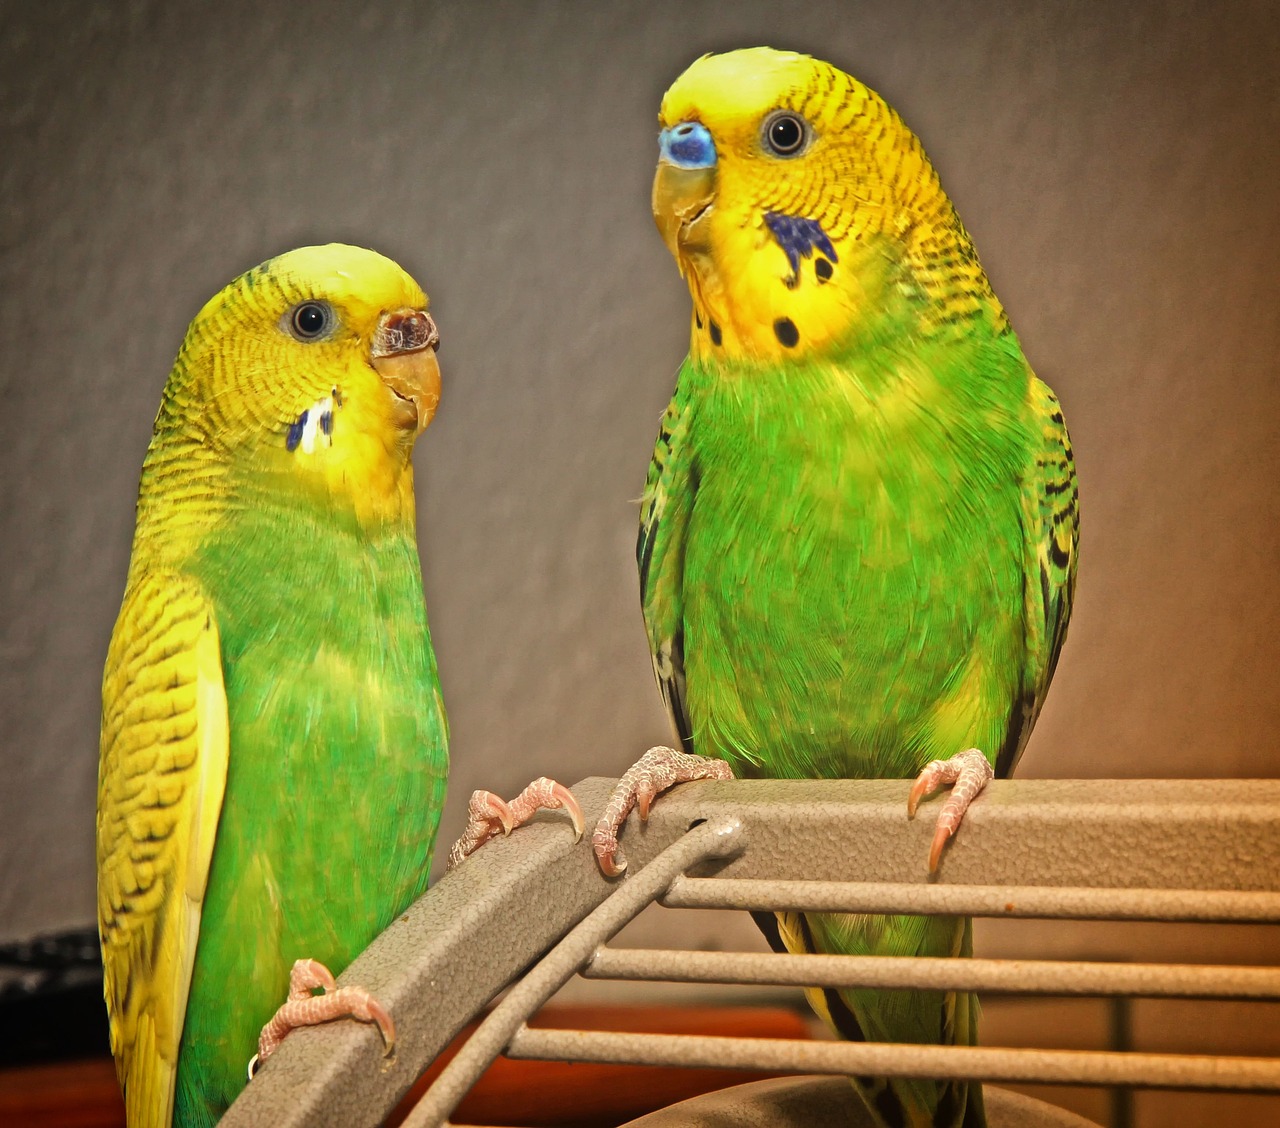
[(273, 739), (859, 531), (1110, 161)]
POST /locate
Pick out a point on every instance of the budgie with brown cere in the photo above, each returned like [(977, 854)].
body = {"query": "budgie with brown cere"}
[(859, 531), (273, 752)]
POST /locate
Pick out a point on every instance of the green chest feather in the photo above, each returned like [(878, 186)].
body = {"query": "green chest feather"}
[(336, 771), (853, 588)]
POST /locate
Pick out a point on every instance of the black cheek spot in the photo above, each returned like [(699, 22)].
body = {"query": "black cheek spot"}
[(823, 269), (716, 337), (697, 317), (786, 332)]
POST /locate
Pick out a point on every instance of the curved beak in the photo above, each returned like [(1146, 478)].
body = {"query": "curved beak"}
[(682, 199), (404, 356), (684, 187)]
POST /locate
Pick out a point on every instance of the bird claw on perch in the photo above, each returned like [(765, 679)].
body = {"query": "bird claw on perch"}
[(656, 771), (488, 815), (305, 1009), (968, 772)]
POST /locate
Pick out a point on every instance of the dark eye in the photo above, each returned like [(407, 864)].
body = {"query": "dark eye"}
[(785, 134), (310, 321)]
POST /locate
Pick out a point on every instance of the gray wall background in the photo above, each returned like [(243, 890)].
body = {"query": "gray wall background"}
[(1116, 164)]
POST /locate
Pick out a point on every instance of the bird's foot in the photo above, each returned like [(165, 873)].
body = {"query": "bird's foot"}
[(657, 770), (305, 1009), (969, 772), (488, 815)]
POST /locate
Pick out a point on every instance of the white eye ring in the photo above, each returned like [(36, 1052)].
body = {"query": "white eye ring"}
[(784, 133), (310, 321)]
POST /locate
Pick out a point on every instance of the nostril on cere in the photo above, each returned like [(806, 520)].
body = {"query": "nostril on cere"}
[(406, 332)]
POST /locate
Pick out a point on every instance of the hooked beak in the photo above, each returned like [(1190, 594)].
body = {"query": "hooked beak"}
[(404, 356), (684, 187)]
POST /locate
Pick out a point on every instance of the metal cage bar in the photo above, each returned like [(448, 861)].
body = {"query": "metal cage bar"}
[(719, 838), (1205, 850), (884, 1059), (1215, 906), (1021, 977)]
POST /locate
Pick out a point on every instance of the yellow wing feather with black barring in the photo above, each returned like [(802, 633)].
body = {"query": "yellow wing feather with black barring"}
[(1051, 536), (161, 780)]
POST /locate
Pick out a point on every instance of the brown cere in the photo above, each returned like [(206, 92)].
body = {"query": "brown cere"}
[(406, 332)]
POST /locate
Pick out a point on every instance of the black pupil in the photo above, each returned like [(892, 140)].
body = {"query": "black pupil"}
[(309, 320), (785, 134)]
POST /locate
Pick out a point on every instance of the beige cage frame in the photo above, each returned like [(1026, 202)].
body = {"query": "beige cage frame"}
[(1150, 850)]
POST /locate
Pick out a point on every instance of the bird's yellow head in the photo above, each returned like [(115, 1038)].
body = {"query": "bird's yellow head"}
[(317, 367), (796, 202)]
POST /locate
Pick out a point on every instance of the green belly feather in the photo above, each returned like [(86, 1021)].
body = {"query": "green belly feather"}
[(853, 569), (336, 775)]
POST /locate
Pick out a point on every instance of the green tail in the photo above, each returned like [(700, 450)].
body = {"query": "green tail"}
[(921, 1017)]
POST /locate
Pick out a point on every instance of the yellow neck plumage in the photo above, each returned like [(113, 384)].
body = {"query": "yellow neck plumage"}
[(791, 258)]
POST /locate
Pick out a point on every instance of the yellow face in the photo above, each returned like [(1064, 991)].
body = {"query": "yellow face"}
[(790, 194), (320, 366)]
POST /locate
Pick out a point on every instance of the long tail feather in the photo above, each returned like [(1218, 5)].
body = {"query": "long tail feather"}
[(892, 1016)]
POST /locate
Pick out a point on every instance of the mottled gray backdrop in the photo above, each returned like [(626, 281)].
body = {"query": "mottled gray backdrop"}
[(1116, 164)]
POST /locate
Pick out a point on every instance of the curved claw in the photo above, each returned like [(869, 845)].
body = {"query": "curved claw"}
[(969, 772), (367, 1009), (570, 804), (545, 794), (657, 770), (302, 1008), (487, 813), (604, 843), (487, 805), (918, 791), (940, 836)]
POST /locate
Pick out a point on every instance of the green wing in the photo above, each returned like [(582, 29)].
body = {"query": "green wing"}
[(1051, 536), (664, 518)]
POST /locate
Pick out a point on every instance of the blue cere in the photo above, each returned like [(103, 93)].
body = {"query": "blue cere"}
[(799, 237), (295, 432), (687, 145)]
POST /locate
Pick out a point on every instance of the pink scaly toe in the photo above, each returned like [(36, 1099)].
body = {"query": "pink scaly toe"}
[(305, 1009), (968, 772), (489, 816), (657, 770)]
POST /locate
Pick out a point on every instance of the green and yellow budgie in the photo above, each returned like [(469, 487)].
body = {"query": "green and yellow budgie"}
[(859, 529), (273, 738)]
